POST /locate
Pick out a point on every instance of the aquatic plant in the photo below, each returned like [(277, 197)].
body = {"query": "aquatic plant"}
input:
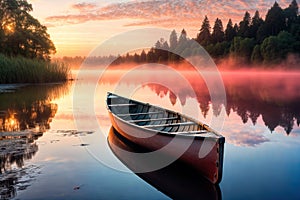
[(23, 70)]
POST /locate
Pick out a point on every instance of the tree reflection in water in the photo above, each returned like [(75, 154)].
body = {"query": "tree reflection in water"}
[(24, 116), (250, 94), (275, 98)]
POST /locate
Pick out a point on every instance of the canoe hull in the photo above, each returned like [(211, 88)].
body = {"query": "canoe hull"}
[(189, 184), (186, 149)]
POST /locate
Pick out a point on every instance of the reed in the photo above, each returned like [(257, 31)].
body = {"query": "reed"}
[(23, 70)]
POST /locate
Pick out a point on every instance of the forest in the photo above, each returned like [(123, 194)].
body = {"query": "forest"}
[(253, 40)]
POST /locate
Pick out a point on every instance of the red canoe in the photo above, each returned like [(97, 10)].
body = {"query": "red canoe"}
[(174, 134)]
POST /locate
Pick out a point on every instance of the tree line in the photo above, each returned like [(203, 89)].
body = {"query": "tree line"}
[(252, 40)]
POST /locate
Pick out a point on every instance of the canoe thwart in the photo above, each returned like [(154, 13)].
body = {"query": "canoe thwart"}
[(168, 125), (151, 120), (137, 114)]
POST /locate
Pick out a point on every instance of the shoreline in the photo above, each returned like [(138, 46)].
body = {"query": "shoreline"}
[(13, 87), (10, 88), (220, 69)]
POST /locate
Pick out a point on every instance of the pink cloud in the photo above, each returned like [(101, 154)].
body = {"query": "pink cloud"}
[(70, 19), (84, 6), (246, 139), (165, 12)]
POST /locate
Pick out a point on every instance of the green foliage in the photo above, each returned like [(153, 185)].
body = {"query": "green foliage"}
[(24, 70), (242, 47), (22, 34), (219, 50), (276, 48), (256, 56), (270, 50)]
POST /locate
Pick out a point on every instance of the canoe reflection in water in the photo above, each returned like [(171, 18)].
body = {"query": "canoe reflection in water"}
[(178, 180)]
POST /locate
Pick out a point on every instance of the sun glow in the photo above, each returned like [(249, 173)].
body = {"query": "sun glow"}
[(9, 28)]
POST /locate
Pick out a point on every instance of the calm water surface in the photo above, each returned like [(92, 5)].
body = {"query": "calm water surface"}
[(72, 158)]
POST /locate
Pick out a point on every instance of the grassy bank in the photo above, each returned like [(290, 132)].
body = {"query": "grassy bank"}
[(24, 70)]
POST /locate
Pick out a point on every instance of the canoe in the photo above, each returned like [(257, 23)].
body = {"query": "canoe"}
[(188, 184), (176, 135)]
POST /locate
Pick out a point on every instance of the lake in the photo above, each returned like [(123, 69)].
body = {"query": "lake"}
[(257, 112)]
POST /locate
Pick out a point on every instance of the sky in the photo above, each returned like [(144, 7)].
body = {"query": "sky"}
[(77, 27)]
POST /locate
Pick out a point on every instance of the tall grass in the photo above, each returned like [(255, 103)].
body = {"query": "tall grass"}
[(24, 70)]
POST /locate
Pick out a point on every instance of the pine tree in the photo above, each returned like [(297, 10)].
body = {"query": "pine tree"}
[(204, 37), (136, 58), (151, 56), (236, 28), (165, 51), (161, 50), (230, 33), (291, 14), (182, 37), (244, 25), (143, 56), (183, 43), (275, 20), (257, 21), (274, 23), (218, 32), (158, 49), (165, 46), (295, 30), (158, 44), (173, 40)]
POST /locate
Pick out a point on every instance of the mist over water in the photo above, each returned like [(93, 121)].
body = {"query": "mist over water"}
[(261, 127), (249, 92)]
